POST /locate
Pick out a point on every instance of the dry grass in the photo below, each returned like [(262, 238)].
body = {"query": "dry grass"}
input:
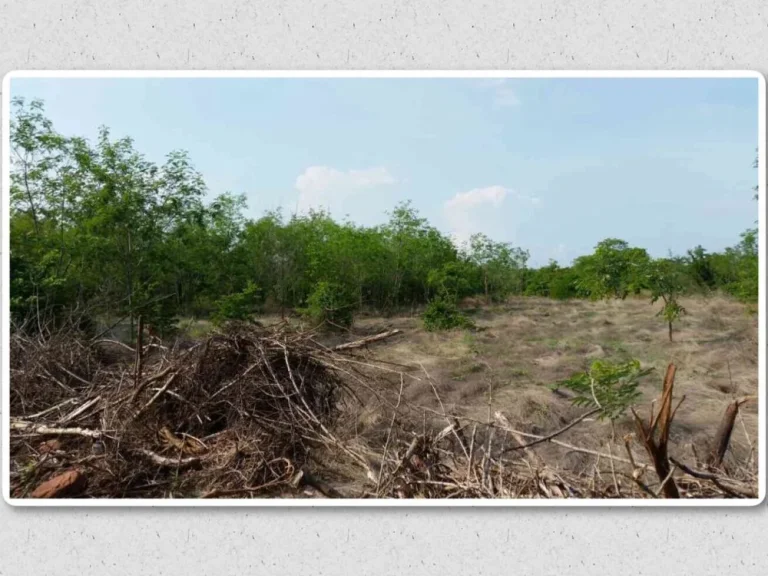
[(529, 343), (421, 415)]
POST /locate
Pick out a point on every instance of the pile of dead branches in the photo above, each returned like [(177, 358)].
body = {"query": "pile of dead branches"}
[(235, 414)]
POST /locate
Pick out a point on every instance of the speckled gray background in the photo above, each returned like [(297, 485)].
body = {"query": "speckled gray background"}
[(365, 34)]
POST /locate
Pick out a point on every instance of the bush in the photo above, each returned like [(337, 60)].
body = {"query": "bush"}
[(237, 306), (331, 304), (609, 388), (443, 314)]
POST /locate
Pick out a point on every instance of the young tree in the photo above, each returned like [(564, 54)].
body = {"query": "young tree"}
[(667, 283), (608, 389)]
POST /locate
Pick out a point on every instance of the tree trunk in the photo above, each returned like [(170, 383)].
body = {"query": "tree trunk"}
[(670, 330)]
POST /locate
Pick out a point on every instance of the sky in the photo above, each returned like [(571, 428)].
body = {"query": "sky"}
[(551, 165)]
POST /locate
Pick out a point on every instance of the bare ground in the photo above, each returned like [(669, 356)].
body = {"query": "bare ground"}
[(523, 346)]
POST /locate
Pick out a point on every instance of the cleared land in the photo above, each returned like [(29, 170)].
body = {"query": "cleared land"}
[(277, 412), (524, 346)]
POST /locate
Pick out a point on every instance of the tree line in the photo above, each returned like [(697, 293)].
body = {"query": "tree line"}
[(99, 231)]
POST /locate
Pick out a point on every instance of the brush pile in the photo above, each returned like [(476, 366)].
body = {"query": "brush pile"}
[(252, 412), (232, 415)]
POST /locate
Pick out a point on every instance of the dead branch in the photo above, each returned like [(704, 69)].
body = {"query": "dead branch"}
[(720, 482), (366, 341), (164, 462), (556, 433), (42, 430)]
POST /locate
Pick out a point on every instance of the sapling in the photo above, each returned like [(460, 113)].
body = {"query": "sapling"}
[(609, 389), (666, 285)]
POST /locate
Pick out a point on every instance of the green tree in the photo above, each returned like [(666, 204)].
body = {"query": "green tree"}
[(615, 270), (667, 283), (500, 264)]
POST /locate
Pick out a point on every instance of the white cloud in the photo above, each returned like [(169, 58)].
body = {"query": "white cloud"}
[(325, 187), (467, 213), (464, 200)]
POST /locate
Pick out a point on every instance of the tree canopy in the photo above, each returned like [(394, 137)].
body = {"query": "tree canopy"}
[(98, 229)]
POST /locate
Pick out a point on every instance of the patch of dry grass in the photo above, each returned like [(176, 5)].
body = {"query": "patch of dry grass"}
[(529, 343)]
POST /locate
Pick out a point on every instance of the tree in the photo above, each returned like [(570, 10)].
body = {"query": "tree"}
[(453, 281), (701, 268), (615, 270), (99, 231), (330, 304), (501, 265), (666, 282)]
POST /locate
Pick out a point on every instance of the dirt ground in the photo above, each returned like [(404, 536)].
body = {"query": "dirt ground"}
[(523, 346)]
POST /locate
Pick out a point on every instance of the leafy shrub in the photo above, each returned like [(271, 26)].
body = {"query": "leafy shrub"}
[(611, 388), (331, 304), (237, 306), (443, 314)]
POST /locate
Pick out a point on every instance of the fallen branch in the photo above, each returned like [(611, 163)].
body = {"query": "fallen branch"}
[(156, 396), (716, 480), (365, 341), (554, 434), (76, 412), (31, 428), (504, 425), (164, 462)]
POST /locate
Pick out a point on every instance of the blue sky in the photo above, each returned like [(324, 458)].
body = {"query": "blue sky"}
[(551, 165)]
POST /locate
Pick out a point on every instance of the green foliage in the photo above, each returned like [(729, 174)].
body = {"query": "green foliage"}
[(667, 281), (612, 388), (330, 304), (98, 229), (615, 270), (501, 266), (443, 314), (701, 268), (552, 281), (238, 306), (745, 285), (453, 281)]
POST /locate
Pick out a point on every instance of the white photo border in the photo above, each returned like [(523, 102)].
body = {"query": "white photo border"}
[(392, 74)]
